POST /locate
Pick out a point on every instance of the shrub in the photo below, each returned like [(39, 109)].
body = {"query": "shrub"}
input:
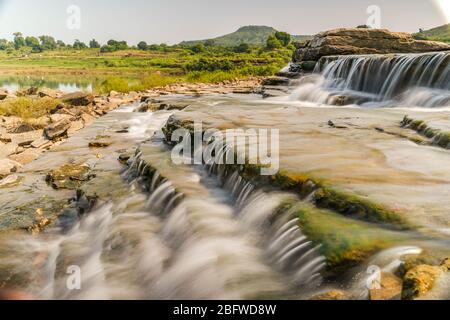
[(26, 107)]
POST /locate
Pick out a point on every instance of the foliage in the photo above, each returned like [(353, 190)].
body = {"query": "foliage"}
[(142, 45), (93, 44), (283, 37), (78, 45), (273, 43), (441, 33), (26, 107)]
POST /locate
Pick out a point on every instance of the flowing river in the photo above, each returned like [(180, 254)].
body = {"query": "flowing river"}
[(166, 231)]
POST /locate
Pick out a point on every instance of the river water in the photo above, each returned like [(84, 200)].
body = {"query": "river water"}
[(166, 231)]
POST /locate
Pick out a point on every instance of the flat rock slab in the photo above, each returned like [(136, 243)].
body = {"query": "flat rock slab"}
[(26, 138), (365, 153)]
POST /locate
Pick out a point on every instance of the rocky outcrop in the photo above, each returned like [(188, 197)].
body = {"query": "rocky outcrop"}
[(360, 41)]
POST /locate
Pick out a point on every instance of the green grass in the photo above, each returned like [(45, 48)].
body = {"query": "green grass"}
[(441, 33), (134, 70)]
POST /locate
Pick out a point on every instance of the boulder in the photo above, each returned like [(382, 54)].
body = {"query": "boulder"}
[(78, 99), (420, 280), (362, 41), (57, 130)]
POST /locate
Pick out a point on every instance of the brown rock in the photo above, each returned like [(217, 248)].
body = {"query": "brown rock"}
[(87, 118), (45, 92), (446, 264), (7, 150), (75, 126), (8, 166), (70, 176), (57, 130), (391, 288), (363, 41), (26, 138), (78, 99), (419, 280), (3, 94), (332, 295), (29, 155), (41, 143), (100, 144)]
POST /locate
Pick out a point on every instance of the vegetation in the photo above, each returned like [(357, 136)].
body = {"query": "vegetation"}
[(252, 35), (26, 107), (117, 66), (441, 33)]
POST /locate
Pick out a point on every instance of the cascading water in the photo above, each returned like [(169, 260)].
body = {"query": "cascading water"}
[(411, 80)]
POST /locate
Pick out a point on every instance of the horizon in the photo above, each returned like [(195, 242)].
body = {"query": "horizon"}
[(164, 24)]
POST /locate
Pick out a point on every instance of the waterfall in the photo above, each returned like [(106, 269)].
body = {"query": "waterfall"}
[(411, 80)]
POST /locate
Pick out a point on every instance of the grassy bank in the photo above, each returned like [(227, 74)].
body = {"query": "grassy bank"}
[(129, 70)]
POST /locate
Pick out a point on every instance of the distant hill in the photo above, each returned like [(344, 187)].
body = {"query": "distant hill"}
[(253, 35), (441, 33)]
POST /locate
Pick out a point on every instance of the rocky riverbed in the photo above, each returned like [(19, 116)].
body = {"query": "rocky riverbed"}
[(24, 140)]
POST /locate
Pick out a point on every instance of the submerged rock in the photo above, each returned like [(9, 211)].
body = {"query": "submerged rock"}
[(70, 176)]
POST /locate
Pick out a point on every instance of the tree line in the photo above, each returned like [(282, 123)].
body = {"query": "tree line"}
[(48, 43)]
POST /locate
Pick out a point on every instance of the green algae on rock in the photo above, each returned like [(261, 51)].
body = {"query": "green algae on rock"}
[(438, 137)]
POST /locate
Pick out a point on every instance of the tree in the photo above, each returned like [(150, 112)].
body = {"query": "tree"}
[(19, 41), (242, 48), (107, 48), (210, 43), (93, 44), (273, 43), (142, 45), (283, 37), (5, 44), (33, 43), (118, 45), (60, 44), (47, 43), (198, 48), (78, 45)]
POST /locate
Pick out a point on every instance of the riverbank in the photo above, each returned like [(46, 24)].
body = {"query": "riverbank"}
[(33, 121)]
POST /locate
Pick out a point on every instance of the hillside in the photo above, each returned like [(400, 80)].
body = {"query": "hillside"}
[(253, 35), (441, 33)]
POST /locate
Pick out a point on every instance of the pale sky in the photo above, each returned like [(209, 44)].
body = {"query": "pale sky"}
[(172, 21)]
